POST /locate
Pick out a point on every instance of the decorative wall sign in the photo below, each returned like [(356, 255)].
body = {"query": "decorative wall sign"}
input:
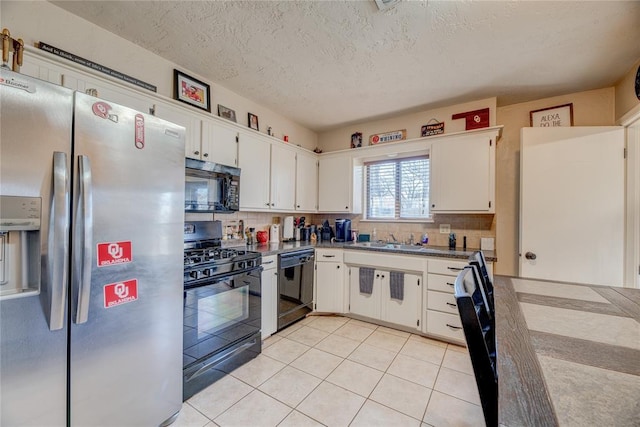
[(475, 119), (253, 122), (356, 140), (433, 127), (191, 91), (226, 113), (396, 135), (560, 115), (90, 64)]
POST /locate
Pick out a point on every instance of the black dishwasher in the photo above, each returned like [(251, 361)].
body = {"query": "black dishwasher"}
[(295, 286)]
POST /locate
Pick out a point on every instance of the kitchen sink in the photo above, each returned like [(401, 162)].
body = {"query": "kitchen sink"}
[(383, 245)]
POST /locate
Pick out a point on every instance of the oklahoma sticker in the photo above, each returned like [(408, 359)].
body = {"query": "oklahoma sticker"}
[(120, 293)]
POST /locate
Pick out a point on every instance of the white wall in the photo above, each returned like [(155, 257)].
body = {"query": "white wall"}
[(35, 21)]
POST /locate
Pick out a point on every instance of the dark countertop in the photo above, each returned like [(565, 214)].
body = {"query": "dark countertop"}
[(267, 249)]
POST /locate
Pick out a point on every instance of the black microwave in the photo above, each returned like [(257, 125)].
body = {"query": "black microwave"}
[(211, 187)]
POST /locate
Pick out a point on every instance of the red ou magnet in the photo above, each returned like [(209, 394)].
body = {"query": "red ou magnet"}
[(112, 253), (120, 293)]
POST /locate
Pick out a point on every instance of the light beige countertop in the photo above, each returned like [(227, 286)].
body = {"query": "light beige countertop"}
[(568, 354)]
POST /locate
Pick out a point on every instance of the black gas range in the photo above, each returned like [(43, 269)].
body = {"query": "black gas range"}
[(222, 306)]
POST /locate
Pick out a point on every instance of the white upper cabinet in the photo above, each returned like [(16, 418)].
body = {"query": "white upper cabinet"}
[(463, 173), (191, 123), (40, 69), (254, 155), (339, 185), (283, 177), (306, 182), (219, 143)]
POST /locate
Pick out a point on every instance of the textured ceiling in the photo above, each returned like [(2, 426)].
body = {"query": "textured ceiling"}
[(326, 64)]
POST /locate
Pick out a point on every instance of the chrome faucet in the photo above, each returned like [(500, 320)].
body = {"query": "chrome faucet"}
[(393, 237), (411, 239)]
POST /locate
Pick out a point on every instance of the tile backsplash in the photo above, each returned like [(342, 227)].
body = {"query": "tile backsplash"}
[(473, 226)]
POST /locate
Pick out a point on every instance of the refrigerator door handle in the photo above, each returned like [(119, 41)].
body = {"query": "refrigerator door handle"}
[(84, 239), (57, 241)]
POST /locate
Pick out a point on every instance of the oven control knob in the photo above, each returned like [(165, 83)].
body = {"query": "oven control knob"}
[(195, 274), (242, 264), (206, 272)]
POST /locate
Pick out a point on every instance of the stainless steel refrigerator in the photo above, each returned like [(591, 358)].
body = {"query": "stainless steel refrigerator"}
[(91, 260)]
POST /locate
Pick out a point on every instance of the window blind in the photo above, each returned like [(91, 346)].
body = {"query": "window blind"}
[(398, 189)]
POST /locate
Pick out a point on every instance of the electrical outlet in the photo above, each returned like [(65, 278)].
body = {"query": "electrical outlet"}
[(445, 228)]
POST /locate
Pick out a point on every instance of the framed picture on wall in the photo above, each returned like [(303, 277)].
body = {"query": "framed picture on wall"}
[(253, 121), (191, 91), (226, 113), (560, 115)]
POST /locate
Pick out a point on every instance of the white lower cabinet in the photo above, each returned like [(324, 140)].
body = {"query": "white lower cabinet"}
[(405, 312), (379, 304), (329, 290), (269, 305), (362, 303), (441, 312)]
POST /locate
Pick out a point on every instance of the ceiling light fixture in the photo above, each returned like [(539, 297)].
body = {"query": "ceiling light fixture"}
[(386, 4)]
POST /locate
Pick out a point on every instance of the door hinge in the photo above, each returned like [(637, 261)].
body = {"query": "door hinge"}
[(315, 306), (490, 142), (418, 282), (418, 322), (489, 204), (625, 153), (315, 266)]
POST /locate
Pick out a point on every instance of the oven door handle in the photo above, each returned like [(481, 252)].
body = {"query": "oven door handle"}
[(220, 358)]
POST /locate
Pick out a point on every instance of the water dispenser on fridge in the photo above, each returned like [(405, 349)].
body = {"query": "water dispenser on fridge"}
[(19, 246)]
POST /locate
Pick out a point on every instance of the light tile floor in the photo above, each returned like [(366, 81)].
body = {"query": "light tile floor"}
[(336, 371)]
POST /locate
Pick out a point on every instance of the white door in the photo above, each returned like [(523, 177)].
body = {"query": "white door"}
[(283, 178), (572, 204), (405, 312), (254, 162), (219, 143), (364, 304), (334, 191), (306, 182)]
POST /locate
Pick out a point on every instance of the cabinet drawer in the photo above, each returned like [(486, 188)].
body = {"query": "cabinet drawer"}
[(438, 282), (446, 266), (330, 255), (270, 262), (445, 325), (441, 301)]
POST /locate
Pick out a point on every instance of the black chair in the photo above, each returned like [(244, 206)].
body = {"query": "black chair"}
[(477, 259), (479, 332)]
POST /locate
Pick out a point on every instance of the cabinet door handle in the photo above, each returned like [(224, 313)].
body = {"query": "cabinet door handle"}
[(451, 305), (450, 284), (328, 256), (298, 206), (346, 207), (455, 268), (337, 266), (454, 327), (268, 262), (377, 275), (205, 155), (383, 276), (196, 153), (267, 203)]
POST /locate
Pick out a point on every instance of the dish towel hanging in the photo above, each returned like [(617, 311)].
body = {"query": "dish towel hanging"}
[(366, 280), (396, 284)]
